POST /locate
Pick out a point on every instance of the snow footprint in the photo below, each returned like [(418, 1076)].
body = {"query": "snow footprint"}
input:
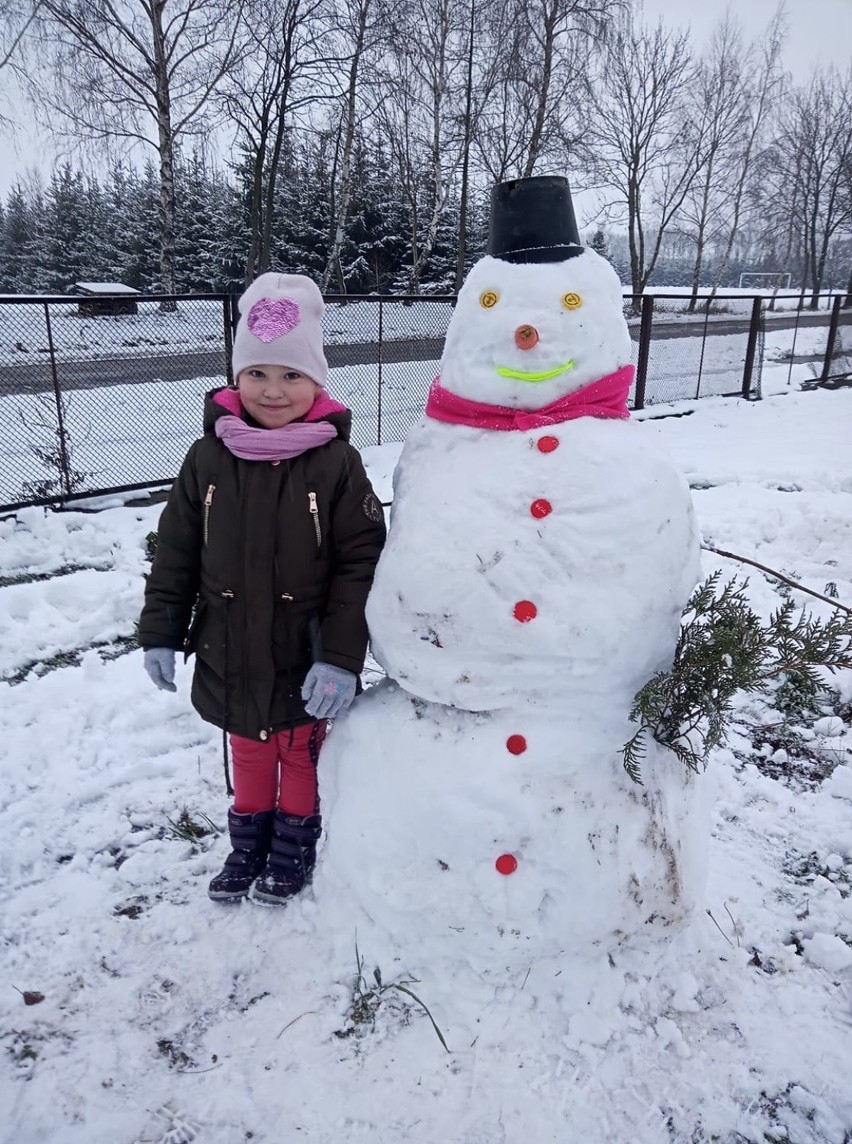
[(157, 997), (179, 1129)]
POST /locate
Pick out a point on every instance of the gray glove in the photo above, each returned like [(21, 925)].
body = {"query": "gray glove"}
[(160, 665), (328, 690)]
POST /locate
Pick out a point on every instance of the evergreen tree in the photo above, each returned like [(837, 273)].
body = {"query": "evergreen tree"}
[(99, 233), (143, 246), (234, 207), (118, 214), (228, 239), (194, 238), (439, 274), (378, 221), (16, 253), (68, 232), (303, 210), (599, 243)]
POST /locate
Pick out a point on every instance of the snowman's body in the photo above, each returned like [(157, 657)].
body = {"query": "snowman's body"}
[(533, 580), (594, 534)]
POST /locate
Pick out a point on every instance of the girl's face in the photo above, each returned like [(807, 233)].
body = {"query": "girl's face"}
[(275, 395)]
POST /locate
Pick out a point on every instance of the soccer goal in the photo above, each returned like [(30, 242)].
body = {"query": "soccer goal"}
[(765, 280)]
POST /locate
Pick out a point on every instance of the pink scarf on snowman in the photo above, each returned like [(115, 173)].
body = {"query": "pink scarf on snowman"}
[(606, 397)]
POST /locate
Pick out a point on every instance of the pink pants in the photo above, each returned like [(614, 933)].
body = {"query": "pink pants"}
[(281, 772)]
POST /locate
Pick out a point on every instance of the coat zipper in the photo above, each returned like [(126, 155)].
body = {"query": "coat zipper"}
[(208, 501), (314, 511)]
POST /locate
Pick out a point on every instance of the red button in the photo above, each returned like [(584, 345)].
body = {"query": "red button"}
[(506, 864), (541, 508), (548, 444), (516, 744), (525, 610)]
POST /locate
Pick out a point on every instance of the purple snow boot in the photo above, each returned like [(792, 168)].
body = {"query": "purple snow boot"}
[(251, 835), (292, 857)]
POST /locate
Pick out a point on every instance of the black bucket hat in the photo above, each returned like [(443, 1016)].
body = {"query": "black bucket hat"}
[(532, 220)]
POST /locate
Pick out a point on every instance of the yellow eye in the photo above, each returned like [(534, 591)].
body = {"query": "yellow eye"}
[(571, 301), (489, 298)]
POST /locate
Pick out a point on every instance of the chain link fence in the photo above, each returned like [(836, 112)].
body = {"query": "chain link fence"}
[(689, 348), (96, 402)]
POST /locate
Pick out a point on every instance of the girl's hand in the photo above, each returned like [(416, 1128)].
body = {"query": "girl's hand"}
[(160, 665), (328, 690)]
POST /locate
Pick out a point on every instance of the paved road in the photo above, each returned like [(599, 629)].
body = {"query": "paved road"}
[(38, 378)]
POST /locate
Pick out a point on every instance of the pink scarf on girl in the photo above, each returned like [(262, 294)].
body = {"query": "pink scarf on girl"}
[(253, 443), (606, 397)]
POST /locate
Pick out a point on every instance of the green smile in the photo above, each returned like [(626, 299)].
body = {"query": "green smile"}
[(520, 375)]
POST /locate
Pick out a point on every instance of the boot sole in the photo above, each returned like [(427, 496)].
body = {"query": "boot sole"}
[(226, 896), (270, 899)]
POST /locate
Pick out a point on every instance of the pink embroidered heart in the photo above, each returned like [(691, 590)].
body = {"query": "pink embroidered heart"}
[(269, 318)]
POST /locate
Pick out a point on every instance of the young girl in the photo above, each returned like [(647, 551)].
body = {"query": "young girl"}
[(265, 555)]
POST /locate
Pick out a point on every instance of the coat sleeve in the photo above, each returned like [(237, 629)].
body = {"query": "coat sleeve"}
[(172, 585), (358, 535)]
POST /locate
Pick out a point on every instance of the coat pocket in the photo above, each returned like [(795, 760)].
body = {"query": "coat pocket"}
[(299, 612), (208, 635)]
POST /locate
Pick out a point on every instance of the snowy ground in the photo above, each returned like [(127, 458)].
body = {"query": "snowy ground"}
[(167, 1019)]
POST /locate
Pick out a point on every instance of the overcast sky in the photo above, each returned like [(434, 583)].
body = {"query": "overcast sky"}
[(819, 31)]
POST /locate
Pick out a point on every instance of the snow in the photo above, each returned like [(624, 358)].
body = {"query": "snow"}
[(168, 1019), (828, 952), (449, 635), (105, 288)]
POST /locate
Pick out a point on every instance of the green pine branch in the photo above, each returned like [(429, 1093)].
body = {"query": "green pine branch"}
[(725, 648)]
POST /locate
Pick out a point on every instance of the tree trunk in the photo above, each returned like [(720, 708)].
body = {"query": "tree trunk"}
[(462, 255), (345, 193), (256, 209), (165, 143), (700, 238), (537, 133), (271, 184)]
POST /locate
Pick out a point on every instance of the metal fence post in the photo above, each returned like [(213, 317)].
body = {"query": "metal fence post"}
[(751, 347), (62, 456), (703, 346), (379, 394), (230, 316), (645, 324), (832, 334)]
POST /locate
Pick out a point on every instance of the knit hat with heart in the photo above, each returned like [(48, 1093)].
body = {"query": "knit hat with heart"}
[(281, 324)]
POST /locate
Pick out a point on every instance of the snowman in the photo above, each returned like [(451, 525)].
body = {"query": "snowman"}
[(540, 553)]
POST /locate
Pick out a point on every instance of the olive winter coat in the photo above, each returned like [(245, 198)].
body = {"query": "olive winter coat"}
[(260, 569)]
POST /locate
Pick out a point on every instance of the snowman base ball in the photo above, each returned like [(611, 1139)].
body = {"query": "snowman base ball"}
[(448, 830)]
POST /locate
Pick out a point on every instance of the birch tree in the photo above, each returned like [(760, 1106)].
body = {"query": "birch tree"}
[(359, 27), (809, 167), (640, 138), (425, 70), (15, 20), (282, 70), (718, 101), (136, 72), (764, 90), (542, 50)]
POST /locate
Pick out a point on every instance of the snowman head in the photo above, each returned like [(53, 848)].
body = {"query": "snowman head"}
[(541, 316), (525, 334)]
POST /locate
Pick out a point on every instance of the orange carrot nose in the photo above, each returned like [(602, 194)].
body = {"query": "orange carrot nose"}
[(526, 337)]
